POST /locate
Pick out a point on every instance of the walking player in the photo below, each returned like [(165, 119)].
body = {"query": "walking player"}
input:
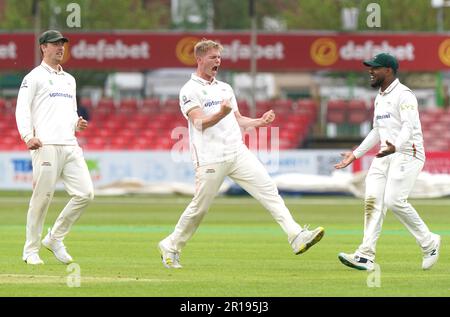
[(395, 168), (218, 151), (46, 116)]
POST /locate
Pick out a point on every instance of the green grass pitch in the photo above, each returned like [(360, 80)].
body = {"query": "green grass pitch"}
[(239, 250)]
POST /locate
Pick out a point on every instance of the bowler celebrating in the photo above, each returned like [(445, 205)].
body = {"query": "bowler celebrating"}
[(47, 119), (395, 168), (218, 151)]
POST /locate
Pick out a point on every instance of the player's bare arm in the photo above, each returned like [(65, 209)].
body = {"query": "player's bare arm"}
[(34, 144), (390, 148), (348, 158), (202, 122), (246, 122)]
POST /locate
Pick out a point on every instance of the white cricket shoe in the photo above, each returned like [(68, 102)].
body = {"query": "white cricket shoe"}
[(430, 258), (34, 259), (57, 248), (306, 239), (170, 260), (356, 262)]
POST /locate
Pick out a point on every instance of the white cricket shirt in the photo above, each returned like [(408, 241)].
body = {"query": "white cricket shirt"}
[(47, 107), (218, 143), (396, 119)]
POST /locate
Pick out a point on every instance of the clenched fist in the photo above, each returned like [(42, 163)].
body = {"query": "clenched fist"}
[(267, 117)]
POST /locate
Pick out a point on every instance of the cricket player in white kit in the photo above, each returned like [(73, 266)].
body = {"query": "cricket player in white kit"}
[(218, 151), (47, 119), (395, 168)]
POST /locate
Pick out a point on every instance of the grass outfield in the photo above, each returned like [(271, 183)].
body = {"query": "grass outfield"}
[(238, 250)]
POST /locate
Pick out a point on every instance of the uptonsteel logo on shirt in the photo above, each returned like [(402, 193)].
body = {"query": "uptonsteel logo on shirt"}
[(60, 94), (384, 116), (212, 103)]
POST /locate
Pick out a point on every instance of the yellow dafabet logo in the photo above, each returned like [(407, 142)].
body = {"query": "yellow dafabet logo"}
[(185, 50), (324, 51), (66, 56), (444, 52)]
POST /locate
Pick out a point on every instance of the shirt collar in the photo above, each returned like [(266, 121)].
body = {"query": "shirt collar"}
[(52, 70), (200, 80), (390, 88)]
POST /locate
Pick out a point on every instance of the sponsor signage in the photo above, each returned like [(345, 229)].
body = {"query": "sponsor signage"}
[(16, 51), (162, 166), (158, 166), (274, 52)]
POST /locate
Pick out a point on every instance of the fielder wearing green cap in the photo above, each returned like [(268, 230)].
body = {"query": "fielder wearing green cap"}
[(52, 36), (395, 168), (46, 116), (383, 60)]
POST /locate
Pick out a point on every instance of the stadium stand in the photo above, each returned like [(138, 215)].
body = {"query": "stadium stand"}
[(148, 124)]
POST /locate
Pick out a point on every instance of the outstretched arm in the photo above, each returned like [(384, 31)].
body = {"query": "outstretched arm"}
[(348, 158), (246, 122)]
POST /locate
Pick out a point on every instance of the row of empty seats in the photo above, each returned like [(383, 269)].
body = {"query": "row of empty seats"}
[(132, 106), (348, 111), (435, 126), (153, 124)]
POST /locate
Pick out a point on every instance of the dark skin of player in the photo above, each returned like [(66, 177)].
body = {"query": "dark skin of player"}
[(380, 77)]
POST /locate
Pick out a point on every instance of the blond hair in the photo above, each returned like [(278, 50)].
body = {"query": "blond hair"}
[(204, 45)]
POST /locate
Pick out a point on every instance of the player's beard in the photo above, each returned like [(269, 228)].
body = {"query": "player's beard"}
[(377, 83)]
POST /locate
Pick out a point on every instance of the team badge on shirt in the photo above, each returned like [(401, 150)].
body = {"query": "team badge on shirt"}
[(24, 84), (185, 100)]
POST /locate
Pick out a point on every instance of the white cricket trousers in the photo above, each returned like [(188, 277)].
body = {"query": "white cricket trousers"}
[(247, 171), (50, 163), (388, 184)]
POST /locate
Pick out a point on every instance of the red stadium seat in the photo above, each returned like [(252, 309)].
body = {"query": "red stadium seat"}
[(171, 106), (9, 120), (357, 111), (282, 105), (105, 106), (128, 106), (11, 105), (244, 107), (307, 106), (150, 105), (426, 118), (437, 145), (262, 106), (337, 111), (87, 102), (2, 105)]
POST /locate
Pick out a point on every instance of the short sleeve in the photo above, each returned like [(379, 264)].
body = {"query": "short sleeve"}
[(188, 100)]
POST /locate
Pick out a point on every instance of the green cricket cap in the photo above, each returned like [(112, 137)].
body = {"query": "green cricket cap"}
[(383, 60), (51, 36)]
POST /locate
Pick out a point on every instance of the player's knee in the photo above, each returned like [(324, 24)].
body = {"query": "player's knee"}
[(86, 197), (369, 204), (393, 203)]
